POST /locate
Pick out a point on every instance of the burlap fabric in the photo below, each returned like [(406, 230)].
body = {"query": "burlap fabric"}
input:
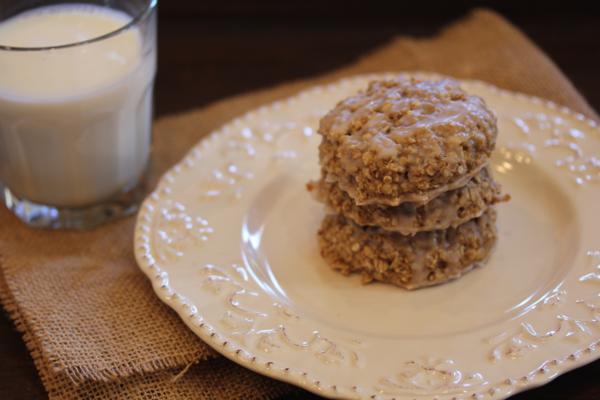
[(88, 316)]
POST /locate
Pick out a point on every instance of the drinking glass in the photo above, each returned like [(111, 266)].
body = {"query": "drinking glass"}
[(75, 115)]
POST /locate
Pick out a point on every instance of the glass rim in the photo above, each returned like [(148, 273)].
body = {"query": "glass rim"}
[(151, 6)]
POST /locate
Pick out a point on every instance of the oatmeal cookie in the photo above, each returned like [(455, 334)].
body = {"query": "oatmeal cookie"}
[(448, 210), (405, 139), (411, 262)]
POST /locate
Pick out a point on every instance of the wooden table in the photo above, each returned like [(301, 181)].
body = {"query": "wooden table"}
[(204, 58)]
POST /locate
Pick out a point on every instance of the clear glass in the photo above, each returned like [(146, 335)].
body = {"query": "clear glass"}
[(75, 116)]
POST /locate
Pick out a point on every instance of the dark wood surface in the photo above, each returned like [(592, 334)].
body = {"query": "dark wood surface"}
[(210, 53)]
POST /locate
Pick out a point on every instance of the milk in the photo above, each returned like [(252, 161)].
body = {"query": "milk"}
[(75, 122)]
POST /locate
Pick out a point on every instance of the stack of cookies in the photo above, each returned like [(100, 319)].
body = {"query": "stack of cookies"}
[(404, 169)]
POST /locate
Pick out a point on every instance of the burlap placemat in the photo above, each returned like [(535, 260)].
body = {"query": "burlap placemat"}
[(90, 319)]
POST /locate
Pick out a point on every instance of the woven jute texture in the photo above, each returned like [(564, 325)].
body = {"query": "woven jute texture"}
[(89, 317)]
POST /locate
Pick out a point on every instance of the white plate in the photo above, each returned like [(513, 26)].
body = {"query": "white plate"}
[(229, 241)]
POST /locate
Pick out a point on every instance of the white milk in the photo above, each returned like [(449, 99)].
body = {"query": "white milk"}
[(74, 122)]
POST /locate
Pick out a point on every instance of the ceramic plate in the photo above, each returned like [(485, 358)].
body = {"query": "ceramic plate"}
[(229, 241)]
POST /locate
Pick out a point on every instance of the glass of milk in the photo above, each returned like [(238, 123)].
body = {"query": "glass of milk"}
[(76, 83)]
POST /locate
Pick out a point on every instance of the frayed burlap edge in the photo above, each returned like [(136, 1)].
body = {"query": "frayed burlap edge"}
[(48, 365)]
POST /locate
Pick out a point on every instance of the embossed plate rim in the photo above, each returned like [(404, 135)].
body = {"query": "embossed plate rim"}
[(190, 315)]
